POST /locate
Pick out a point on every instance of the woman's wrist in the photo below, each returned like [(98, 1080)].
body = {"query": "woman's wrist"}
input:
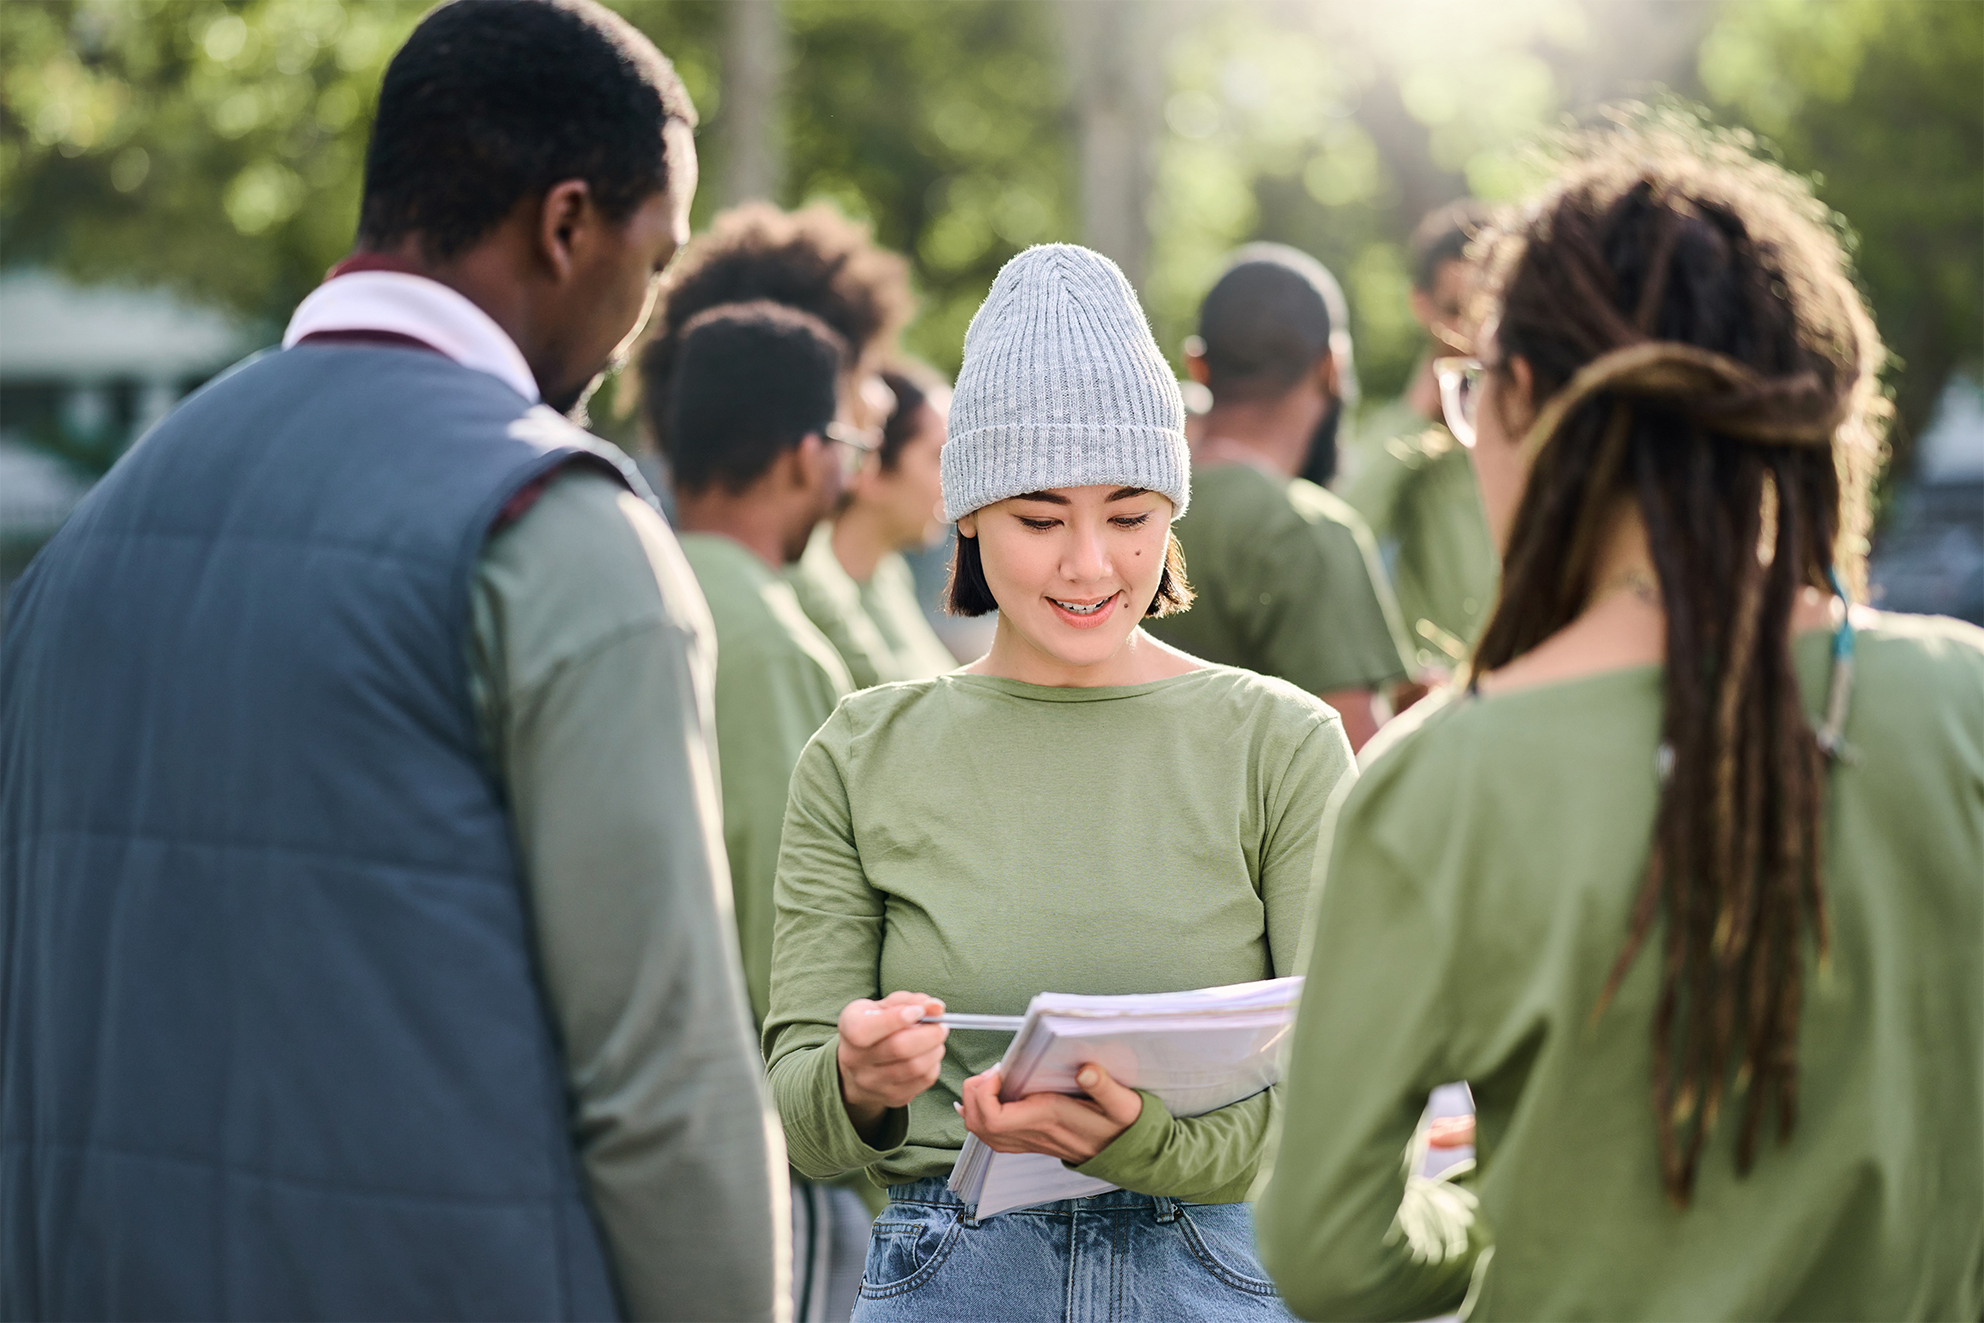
[(865, 1114)]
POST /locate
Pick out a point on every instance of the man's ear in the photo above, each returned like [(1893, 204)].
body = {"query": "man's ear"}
[(1195, 365), (1329, 377), (802, 459), (566, 219), (1519, 401)]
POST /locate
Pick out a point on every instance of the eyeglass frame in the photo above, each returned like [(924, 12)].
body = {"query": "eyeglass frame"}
[(860, 444), (1460, 377)]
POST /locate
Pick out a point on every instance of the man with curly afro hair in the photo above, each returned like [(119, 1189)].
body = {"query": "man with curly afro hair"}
[(813, 259), (828, 270)]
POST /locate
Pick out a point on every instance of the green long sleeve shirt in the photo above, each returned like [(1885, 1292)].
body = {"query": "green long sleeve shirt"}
[(589, 665), (777, 680), (1478, 887), (1418, 493), (982, 840), (876, 625), (1289, 584)]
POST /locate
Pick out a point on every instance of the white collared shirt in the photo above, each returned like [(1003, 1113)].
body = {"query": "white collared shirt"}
[(423, 309)]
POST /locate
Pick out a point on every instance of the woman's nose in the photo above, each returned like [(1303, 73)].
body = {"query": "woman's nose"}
[(1087, 558)]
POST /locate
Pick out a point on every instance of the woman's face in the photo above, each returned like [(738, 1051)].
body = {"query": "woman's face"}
[(1502, 415), (909, 496), (1073, 569)]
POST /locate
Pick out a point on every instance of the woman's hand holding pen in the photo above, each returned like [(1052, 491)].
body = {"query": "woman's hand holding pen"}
[(887, 1056), (1070, 1128)]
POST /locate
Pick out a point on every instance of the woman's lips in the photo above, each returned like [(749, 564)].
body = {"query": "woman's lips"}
[(1092, 619)]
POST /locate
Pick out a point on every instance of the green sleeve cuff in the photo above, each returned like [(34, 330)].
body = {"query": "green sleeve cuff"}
[(821, 1140), (1129, 1159)]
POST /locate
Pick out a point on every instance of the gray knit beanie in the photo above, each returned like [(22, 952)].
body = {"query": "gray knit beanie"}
[(1062, 386)]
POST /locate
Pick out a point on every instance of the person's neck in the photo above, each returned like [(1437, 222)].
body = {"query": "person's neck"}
[(1140, 660), (487, 275), (762, 527), (1623, 622), (1272, 434), (860, 541), (1624, 563)]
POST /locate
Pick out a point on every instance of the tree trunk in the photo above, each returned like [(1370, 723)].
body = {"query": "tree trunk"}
[(1115, 70), (750, 127)]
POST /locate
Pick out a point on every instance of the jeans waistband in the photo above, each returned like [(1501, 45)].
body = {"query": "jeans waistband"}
[(936, 1190)]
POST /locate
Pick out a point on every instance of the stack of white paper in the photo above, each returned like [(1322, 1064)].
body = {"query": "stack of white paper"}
[(1197, 1051)]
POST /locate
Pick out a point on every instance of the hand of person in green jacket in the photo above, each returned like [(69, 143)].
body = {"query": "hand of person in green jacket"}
[(1060, 1125), (887, 1056)]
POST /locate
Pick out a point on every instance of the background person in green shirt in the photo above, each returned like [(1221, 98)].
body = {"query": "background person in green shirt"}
[(752, 445), (1083, 809), (1705, 924), (1412, 481), (853, 580), (813, 259), (1288, 576)]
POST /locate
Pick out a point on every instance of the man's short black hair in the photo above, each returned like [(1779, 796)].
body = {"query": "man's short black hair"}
[(1266, 324), (814, 259), (1443, 236), (493, 101), (751, 380)]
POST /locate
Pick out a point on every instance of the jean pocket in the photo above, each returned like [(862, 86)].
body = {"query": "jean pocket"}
[(1221, 1236), (907, 1246)]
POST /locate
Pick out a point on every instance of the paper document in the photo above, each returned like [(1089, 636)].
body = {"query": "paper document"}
[(1198, 1051)]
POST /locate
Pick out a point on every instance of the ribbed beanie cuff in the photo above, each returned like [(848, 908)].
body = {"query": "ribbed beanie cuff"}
[(1062, 386)]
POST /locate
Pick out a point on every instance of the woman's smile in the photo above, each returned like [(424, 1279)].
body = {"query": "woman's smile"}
[(1081, 613)]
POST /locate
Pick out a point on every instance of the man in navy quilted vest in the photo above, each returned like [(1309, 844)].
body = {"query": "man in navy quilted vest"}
[(364, 941)]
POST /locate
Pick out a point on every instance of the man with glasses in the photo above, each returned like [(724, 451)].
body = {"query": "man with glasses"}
[(1411, 482), (759, 446)]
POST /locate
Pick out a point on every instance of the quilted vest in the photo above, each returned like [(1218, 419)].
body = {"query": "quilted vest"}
[(271, 1040)]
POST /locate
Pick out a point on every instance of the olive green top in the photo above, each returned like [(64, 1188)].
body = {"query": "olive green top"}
[(1289, 584), (877, 627), (590, 661), (982, 840), (1418, 493), (1480, 880), (777, 680)]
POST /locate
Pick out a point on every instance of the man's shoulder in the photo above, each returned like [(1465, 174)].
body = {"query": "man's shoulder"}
[(1238, 504), (1325, 511), (760, 624)]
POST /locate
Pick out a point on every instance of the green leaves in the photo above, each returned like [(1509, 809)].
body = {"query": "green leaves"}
[(218, 147)]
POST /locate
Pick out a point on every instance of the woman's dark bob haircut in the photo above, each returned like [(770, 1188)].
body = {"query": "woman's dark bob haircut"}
[(968, 594)]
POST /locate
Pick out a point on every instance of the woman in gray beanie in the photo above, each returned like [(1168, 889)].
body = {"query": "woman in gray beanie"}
[(1083, 809)]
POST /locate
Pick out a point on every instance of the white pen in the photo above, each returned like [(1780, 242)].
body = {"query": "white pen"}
[(1005, 1024)]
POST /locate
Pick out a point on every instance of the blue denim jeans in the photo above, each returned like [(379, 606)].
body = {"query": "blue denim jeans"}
[(1117, 1257)]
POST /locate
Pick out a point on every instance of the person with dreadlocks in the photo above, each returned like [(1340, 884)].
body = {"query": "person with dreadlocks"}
[(1704, 925)]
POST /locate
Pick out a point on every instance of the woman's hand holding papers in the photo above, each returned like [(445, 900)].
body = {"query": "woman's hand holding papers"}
[(886, 1056), (1070, 1128)]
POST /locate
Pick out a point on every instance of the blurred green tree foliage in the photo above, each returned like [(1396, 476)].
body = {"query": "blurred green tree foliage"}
[(1883, 103), (216, 145)]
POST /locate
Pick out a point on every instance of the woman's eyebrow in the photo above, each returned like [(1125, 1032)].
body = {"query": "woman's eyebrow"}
[(1052, 498), (1125, 493)]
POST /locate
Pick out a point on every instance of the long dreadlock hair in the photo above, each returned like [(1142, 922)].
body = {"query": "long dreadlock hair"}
[(1699, 348)]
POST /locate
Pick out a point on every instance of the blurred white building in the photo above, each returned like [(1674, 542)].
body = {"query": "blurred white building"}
[(84, 370)]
